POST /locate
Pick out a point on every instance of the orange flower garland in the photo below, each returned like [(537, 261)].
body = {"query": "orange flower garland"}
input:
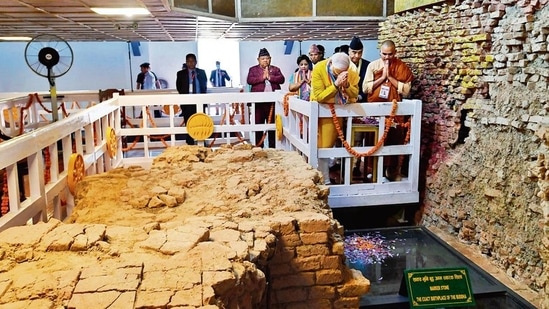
[(29, 103), (161, 137), (49, 111), (136, 140), (407, 125), (377, 146), (286, 104), (5, 208), (236, 109), (47, 163)]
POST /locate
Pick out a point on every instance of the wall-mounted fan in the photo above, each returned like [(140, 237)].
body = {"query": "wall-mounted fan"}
[(49, 56)]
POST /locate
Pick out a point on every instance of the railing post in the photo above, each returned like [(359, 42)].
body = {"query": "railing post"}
[(313, 135), (37, 184), (13, 188)]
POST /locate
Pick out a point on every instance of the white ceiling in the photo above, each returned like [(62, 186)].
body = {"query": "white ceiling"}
[(73, 20)]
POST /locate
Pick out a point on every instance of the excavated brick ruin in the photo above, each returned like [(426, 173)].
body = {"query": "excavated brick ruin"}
[(232, 228)]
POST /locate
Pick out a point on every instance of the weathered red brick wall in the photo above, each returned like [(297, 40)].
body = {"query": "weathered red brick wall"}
[(481, 70)]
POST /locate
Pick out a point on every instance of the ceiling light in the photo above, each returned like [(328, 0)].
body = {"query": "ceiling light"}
[(121, 11), (15, 38)]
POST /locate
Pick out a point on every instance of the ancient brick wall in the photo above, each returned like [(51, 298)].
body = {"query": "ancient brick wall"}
[(306, 270), (481, 70)]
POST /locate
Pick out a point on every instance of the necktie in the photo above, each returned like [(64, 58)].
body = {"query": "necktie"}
[(218, 80), (193, 78)]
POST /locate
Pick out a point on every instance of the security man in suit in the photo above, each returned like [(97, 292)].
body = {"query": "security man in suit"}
[(219, 76), (190, 80)]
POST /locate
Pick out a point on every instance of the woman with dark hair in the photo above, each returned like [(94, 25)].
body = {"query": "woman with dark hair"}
[(300, 81)]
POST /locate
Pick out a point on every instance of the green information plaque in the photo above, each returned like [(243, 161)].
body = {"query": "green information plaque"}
[(438, 287)]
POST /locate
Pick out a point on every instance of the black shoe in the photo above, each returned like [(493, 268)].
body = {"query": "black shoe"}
[(335, 168)]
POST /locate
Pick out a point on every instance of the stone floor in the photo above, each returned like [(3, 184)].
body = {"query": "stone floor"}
[(523, 290)]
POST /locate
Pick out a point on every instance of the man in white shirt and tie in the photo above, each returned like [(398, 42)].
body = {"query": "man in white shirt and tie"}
[(219, 76)]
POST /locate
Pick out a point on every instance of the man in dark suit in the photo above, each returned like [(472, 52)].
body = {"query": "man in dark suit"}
[(355, 53), (219, 76), (190, 80)]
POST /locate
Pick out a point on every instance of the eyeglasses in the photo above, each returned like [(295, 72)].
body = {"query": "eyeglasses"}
[(387, 54)]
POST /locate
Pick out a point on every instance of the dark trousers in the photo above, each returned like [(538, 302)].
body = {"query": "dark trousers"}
[(186, 112), (396, 136), (262, 111)]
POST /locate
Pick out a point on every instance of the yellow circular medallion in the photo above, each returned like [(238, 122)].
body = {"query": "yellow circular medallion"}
[(278, 123), (76, 172), (200, 126), (112, 143)]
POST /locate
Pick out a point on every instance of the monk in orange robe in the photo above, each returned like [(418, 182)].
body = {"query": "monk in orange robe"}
[(388, 79)]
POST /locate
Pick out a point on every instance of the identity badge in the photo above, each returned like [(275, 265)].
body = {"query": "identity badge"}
[(384, 92)]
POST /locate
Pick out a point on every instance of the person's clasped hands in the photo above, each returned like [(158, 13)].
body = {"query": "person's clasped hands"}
[(342, 80), (386, 69)]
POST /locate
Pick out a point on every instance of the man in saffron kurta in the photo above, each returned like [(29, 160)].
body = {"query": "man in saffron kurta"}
[(388, 79), (334, 81)]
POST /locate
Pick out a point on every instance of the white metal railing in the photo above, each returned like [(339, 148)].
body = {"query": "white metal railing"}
[(84, 131), (352, 193), (171, 126), (21, 112), (13, 112)]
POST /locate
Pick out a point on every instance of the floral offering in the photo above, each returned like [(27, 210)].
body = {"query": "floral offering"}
[(368, 248)]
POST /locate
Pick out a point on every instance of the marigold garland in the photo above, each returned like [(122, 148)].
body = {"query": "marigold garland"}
[(5, 208), (136, 140), (49, 111), (286, 102), (47, 163), (380, 142), (153, 137), (31, 99), (237, 108), (406, 125), (286, 106)]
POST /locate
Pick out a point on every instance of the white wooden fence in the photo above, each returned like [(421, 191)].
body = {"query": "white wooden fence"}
[(85, 132), (352, 193)]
